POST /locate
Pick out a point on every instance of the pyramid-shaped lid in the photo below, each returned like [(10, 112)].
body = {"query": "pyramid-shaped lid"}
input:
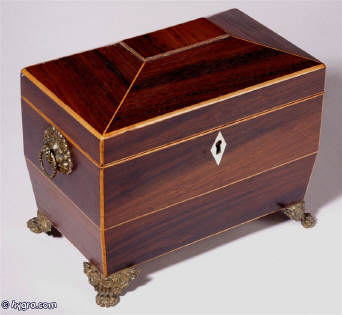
[(160, 74)]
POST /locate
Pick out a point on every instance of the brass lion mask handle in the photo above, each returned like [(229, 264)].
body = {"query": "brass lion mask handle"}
[(56, 152)]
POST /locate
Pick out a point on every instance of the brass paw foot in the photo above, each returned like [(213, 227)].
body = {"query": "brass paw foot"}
[(39, 224), (297, 212), (111, 287)]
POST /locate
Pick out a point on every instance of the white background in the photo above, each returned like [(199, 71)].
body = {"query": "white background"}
[(271, 266)]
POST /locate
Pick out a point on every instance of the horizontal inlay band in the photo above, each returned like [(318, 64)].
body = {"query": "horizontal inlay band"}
[(208, 236), (171, 205), (61, 192), (194, 136), (57, 127), (213, 190), (56, 99), (171, 143)]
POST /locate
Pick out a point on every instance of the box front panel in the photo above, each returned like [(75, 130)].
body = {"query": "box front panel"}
[(180, 225), (180, 172)]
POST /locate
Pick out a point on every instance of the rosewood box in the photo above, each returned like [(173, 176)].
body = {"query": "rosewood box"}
[(145, 146)]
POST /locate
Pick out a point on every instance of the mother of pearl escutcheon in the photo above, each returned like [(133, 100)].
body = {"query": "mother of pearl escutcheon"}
[(218, 148)]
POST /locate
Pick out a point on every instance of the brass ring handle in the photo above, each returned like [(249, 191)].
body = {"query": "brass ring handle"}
[(56, 152), (52, 161)]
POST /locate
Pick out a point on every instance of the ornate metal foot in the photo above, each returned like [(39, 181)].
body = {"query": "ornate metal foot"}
[(109, 288), (39, 224), (296, 212)]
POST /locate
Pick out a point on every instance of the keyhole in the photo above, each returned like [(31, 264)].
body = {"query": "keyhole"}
[(218, 146)]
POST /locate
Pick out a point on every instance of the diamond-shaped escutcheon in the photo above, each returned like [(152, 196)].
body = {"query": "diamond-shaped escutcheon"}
[(218, 148)]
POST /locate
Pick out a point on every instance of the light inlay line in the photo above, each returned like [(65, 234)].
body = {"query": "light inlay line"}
[(212, 101), (213, 190), (61, 192), (212, 130), (59, 129), (154, 149), (169, 115), (102, 230), (208, 236), (57, 100)]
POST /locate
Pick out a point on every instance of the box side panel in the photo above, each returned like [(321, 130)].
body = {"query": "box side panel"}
[(82, 185), (66, 216), (188, 222), (185, 170), (220, 113), (241, 25), (86, 140)]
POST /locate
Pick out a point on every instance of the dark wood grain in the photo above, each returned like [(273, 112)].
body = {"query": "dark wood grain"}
[(66, 217), (91, 83), (85, 139), (208, 71), (239, 24), (83, 184), (169, 197), (94, 83), (187, 169), (223, 112), (174, 37), (158, 233)]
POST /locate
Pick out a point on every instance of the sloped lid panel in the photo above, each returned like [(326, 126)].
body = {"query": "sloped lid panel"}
[(121, 86), (239, 24), (200, 74), (175, 37), (91, 83)]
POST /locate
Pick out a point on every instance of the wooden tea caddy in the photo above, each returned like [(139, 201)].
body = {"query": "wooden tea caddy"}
[(142, 147)]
